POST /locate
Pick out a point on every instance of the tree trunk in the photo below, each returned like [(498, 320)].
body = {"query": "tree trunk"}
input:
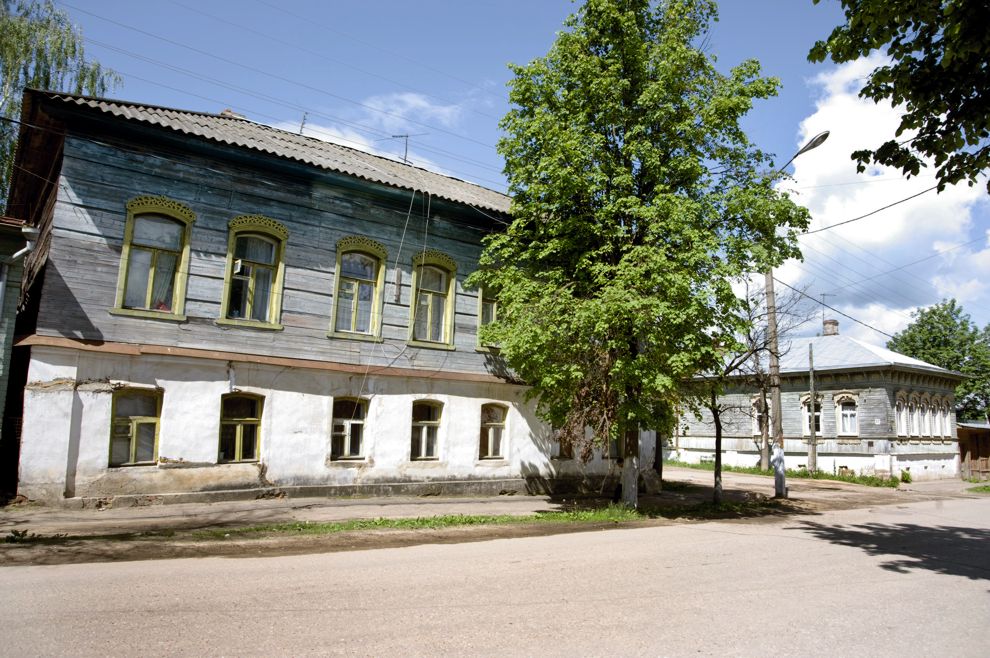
[(717, 417), (630, 468), (658, 457)]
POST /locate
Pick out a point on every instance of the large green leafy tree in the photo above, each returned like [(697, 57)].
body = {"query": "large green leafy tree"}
[(937, 73), (943, 335), (39, 48), (637, 201)]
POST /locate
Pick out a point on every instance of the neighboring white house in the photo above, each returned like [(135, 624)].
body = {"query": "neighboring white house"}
[(876, 412)]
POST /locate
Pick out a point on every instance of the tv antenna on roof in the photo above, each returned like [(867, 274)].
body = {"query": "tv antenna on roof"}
[(405, 155)]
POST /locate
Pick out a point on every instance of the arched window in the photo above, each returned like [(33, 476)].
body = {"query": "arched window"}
[(134, 431), (253, 285), (915, 415), (240, 427), (901, 418), (347, 434), (926, 419), (434, 279), (846, 414), (360, 280), (806, 415), (425, 430), (492, 431), (154, 259)]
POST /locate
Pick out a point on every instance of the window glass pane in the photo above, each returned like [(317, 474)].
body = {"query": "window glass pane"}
[(354, 449), (348, 410), (136, 404), (249, 441), (496, 442), (138, 268), (161, 293), (255, 249), (228, 442), (437, 318), (433, 279), (145, 442), (487, 312), (262, 293), (425, 412), (417, 442), (366, 295), (120, 444), (491, 413), (345, 306), (238, 298), (158, 231), (431, 441), (239, 406), (422, 317), (358, 266)]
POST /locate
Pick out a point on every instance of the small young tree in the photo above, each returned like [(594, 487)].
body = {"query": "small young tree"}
[(637, 201), (39, 48)]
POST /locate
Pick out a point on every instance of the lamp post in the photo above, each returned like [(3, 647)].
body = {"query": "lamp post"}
[(779, 478)]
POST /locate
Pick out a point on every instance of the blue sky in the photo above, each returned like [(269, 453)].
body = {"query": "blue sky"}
[(436, 70)]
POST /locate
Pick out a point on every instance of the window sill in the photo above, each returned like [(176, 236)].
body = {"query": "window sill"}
[(249, 324), (343, 462), (221, 462), (133, 465), (493, 461), (430, 345), (347, 335), (148, 314)]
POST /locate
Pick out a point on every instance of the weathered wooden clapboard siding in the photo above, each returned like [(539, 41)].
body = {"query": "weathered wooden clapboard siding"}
[(99, 179)]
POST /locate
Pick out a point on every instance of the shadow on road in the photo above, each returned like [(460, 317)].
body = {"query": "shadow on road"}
[(946, 550)]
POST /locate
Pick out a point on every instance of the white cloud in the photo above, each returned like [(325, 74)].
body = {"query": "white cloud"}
[(869, 265)]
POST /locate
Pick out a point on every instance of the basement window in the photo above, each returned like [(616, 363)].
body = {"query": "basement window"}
[(134, 433)]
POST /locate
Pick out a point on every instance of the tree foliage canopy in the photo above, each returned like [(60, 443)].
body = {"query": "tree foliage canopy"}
[(943, 335), (39, 48), (637, 201), (938, 72)]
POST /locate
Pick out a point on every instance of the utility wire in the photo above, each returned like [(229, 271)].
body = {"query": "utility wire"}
[(873, 212), (832, 308)]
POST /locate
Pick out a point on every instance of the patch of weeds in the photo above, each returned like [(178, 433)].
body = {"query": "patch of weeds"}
[(981, 489), (906, 477), (866, 480), (28, 537), (708, 510)]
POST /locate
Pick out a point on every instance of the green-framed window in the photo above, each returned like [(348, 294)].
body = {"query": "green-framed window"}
[(492, 438), (134, 428), (432, 309), (347, 432), (154, 259), (240, 427), (425, 430), (359, 283), (255, 274), (487, 314)]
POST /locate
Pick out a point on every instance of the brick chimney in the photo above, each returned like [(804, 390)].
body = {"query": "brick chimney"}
[(831, 327)]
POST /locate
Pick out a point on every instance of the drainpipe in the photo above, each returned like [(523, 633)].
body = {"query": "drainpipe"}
[(30, 236)]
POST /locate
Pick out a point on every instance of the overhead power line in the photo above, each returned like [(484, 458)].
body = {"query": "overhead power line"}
[(873, 212), (832, 308)]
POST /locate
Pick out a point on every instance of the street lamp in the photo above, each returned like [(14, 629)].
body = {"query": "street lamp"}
[(779, 479)]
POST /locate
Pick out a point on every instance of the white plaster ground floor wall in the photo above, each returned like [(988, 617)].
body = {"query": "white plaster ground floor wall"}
[(68, 408), (924, 460)]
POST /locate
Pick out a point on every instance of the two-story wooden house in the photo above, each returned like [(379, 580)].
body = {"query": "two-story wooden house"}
[(218, 305), (875, 412)]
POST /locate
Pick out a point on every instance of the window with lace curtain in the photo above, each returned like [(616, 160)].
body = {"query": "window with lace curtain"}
[(154, 260), (253, 283)]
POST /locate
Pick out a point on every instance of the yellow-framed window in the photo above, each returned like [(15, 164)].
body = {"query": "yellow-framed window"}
[(240, 427), (425, 430), (492, 437), (347, 428), (134, 428), (255, 274), (154, 259), (359, 284), (432, 308)]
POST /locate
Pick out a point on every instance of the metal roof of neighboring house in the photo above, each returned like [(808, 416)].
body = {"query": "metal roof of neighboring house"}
[(229, 128), (842, 352)]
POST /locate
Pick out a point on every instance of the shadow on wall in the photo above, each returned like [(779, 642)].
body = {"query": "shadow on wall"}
[(952, 551), (64, 314)]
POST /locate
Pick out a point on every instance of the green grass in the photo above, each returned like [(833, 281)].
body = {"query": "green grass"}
[(981, 489), (866, 480)]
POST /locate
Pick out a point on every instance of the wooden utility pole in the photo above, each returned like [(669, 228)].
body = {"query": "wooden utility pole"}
[(812, 403)]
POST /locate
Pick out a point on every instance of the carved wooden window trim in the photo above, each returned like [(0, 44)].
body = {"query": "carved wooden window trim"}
[(367, 248), (442, 263), (246, 272)]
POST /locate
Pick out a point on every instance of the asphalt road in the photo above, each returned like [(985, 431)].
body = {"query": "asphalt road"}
[(904, 580)]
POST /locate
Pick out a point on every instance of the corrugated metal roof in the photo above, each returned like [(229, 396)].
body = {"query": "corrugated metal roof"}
[(842, 352), (237, 131)]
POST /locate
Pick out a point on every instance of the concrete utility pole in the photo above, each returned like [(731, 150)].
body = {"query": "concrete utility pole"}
[(779, 477), (812, 440)]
